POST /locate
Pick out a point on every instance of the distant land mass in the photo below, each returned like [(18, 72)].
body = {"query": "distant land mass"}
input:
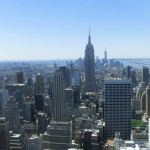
[(134, 62)]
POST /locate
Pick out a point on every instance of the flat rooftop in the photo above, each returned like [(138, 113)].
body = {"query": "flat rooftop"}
[(117, 81), (132, 145)]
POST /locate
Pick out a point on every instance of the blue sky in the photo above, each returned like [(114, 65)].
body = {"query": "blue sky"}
[(58, 29)]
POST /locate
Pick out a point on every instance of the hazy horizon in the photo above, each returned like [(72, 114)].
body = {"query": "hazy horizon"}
[(72, 59)]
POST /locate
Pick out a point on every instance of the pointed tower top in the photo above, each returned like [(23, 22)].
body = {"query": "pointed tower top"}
[(89, 36)]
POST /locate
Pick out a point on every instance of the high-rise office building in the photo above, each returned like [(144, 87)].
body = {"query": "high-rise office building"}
[(29, 111), (58, 136), (148, 101), (133, 78), (117, 109), (19, 97), (30, 87), (39, 89), (12, 114), (89, 67), (3, 99), (104, 61), (77, 100), (42, 122), (65, 73), (143, 101), (105, 55), (13, 87), (128, 72), (4, 134), (19, 77), (75, 81), (58, 95), (145, 75), (39, 102), (69, 103), (112, 62)]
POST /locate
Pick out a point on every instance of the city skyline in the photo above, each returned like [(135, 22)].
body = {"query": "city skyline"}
[(36, 30)]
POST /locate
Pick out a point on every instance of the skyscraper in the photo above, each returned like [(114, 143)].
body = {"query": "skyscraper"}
[(19, 77), (105, 55), (145, 75), (75, 77), (29, 111), (128, 72), (143, 101), (42, 122), (148, 101), (12, 114), (58, 95), (3, 100), (39, 102), (69, 103), (39, 84), (117, 109), (89, 67), (4, 134), (65, 73)]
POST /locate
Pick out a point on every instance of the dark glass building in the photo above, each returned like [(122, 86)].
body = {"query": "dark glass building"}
[(117, 108), (39, 102)]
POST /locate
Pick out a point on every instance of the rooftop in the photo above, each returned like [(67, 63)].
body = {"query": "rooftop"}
[(33, 136), (116, 80), (131, 145)]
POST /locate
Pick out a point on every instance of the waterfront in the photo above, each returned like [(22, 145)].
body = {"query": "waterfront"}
[(135, 62)]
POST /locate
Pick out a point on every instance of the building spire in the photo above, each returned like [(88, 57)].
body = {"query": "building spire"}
[(89, 36)]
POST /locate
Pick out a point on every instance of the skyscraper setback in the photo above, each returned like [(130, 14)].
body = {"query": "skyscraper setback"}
[(89, 67)]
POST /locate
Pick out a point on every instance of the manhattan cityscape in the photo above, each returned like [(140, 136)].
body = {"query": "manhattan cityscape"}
[(74, 75)]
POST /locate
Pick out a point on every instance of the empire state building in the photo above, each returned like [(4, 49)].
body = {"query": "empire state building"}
[(89, 67)]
